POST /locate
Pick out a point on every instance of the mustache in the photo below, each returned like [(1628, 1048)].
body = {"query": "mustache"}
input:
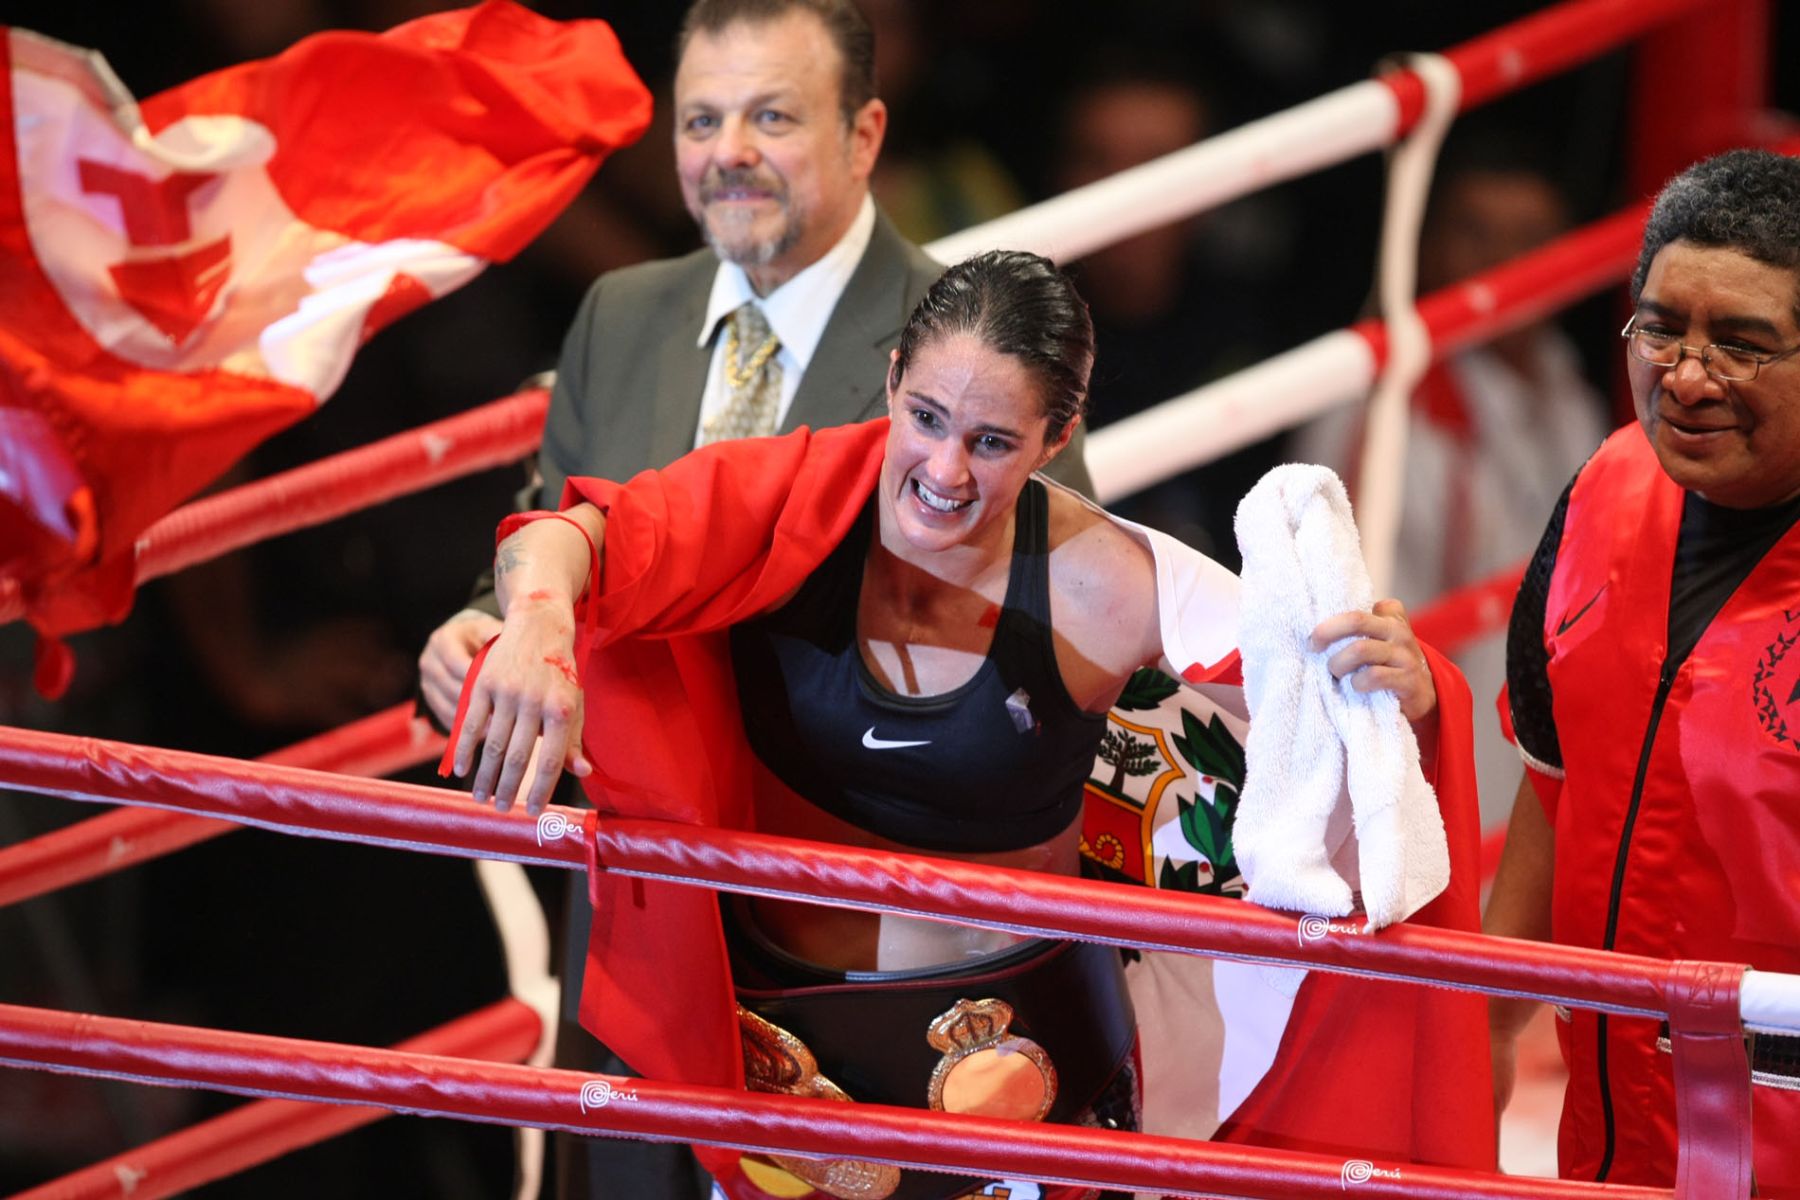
[(723, 179)]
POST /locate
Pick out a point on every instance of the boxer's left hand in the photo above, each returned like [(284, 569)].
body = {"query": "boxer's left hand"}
[(1383, 656)]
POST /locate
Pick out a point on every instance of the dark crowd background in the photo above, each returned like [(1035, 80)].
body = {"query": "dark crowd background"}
[(993, 104)]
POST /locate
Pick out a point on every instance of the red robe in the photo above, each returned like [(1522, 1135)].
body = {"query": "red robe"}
[(1365, 1068)]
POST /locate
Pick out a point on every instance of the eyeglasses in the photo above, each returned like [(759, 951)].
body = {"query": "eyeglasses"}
[(1729, 364)]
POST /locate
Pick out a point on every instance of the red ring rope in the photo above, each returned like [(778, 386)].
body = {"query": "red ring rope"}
[(1535, 47), (393, 740), (435, 820), (490, 436), (257, 1133), (389, 741), (1698, 998), (254, 1064)]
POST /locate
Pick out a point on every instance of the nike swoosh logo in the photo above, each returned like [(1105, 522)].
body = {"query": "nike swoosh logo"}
[(874, 743), (1564, 625)]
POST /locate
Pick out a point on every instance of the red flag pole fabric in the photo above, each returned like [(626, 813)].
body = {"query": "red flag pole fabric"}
[(181, 279)]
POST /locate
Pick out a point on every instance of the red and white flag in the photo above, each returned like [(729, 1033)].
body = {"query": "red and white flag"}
[(181, 279)]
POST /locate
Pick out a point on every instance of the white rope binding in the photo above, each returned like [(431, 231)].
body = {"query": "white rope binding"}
[(1383, 468)]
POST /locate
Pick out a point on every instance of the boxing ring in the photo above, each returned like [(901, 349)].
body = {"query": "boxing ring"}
[(487, 1066)]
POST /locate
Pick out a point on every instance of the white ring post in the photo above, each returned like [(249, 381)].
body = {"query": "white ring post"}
[(1770, 1002), (525, 943), (1131, 454), (1295, 142), (1383, 469)]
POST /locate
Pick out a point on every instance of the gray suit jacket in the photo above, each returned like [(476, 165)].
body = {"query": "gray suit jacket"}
[(628, 387)]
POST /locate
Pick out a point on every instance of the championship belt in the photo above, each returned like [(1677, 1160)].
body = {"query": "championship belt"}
[(777, 1061), (1040, 1031), (985, 1069)]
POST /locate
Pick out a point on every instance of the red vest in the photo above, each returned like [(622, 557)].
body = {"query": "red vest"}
[(1678, 827)]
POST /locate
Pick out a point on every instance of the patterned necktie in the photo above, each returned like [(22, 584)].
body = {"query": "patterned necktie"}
[(752, 379)]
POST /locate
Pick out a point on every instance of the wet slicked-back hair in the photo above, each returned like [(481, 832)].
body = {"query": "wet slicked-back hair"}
[(848, 28), (1020, 305), (1742, 200)]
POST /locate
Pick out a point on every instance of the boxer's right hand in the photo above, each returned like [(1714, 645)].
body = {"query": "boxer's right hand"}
[(445, 661)]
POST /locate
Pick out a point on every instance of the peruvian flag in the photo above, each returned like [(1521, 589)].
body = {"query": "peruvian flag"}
[(1260, 1055), (180, 280)]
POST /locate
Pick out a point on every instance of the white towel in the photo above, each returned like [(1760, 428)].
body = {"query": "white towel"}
[(1308, 732)]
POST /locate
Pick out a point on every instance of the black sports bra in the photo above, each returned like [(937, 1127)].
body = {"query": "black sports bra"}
[(998, 763)]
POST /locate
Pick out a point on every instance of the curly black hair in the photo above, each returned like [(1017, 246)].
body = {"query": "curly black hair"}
[(1742, 200)]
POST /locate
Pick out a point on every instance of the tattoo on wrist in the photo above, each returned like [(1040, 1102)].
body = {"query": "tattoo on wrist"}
[(507, 559)]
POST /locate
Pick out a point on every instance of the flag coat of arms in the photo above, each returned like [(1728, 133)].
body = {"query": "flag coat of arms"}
[(1278, 1056), (185, 277)]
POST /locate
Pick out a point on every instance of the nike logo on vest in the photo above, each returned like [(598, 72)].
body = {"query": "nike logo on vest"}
[(1564, 625), (870, 741)]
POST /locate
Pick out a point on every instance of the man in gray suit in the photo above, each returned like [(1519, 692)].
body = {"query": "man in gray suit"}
[(777, 128)]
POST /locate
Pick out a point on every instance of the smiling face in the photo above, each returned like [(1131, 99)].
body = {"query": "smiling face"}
[(1736, 444), (767, 164), (968, 429)]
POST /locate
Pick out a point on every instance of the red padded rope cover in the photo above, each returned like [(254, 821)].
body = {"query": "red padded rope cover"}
[(393, 740), (1534, 285), (433, 819), (290, 799), (1474, 610), (441, 821), (389, 741), (556, 1099), (492, 435), (1125, 914), (1536, 47), (1579, 263), (260, 1132)]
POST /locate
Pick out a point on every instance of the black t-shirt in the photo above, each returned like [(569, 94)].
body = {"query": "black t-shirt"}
[(1715, 551)]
